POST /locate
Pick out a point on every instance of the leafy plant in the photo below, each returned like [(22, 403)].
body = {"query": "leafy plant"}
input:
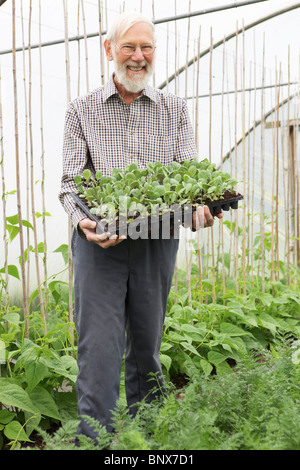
[(206, 340), (152, 190), (254, 408), (37, 374), (210, 336)]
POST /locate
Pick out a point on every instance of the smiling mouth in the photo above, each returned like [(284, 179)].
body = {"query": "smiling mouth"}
[(136, 69)]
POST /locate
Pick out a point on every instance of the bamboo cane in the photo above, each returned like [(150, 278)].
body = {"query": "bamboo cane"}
[(209, 239), (253, 162), (210, 95), (194, 83), (153, 16), (45, 261), (210, 158), (106, 24), (32, 179), (277, 177), (197, 145), (176, 53), (187, 53), (5, 238), (249, 171), (17, 159), (188, 254), (28, 251), (287, 194), (187, 237), (221, 227), (176, 263), (68, 88), (78, 50), (199, 265), (100, 6), (197, 94), (167, 58), (262, 154), (85, 49), (231, 169), (285, 186), (243, 262), (235, 157), (273, 180)]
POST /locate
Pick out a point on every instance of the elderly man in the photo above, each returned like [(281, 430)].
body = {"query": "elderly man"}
[(121, 285)]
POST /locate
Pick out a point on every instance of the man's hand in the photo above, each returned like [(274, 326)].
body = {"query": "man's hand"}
[(104, 240), (202, 217)]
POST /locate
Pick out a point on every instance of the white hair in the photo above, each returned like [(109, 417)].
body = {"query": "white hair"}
[(125, 21)]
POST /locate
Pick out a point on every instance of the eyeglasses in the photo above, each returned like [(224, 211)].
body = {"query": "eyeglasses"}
[(128, 50)]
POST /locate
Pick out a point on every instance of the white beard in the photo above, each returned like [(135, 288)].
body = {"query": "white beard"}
[(136, 83)]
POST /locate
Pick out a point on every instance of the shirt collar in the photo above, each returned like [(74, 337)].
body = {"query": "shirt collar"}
[(110, 89)]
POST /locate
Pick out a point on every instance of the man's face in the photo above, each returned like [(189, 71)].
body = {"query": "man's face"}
[(134, 71)]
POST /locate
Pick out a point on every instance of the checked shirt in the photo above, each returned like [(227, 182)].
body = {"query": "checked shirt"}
[(102, 132)]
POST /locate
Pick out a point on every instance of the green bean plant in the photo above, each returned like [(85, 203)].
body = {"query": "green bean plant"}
[(203, 337)]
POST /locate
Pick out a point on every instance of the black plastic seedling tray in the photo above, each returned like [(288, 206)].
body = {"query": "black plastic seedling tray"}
[(224, 205), (140, 225), (147, 224), (101, 227)]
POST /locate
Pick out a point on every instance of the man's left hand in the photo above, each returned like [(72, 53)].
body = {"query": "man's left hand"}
[(202, 217)]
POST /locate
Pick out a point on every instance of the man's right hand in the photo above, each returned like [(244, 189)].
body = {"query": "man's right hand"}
[(104, 240)]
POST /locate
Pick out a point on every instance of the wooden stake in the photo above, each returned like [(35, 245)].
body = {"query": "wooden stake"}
[(153, 16), (231, 169), (70, 228), (199, 265), (32, 179), (167, 59), (210, 158), (197, 94), (45, 260), (243, 263), (262, 167), (28, 262), (78, 49), (235, 161), (18, 187), (101, 43), (176, 52), (277, 177), (221, 227), (86, 49), (273, 182), (285, 191), (187, 53), (249, 216), (5, 239), (287, 179), (253, 165)]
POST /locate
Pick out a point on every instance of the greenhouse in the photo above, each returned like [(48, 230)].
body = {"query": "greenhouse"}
[(230, 345)]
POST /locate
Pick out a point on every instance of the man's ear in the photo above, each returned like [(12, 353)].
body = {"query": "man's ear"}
[(107, 47)]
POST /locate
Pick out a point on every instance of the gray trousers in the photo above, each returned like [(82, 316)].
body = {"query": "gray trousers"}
[(120, 303)]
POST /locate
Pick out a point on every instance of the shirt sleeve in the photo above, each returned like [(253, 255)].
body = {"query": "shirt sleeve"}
[(75, 158), (186, 146)]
